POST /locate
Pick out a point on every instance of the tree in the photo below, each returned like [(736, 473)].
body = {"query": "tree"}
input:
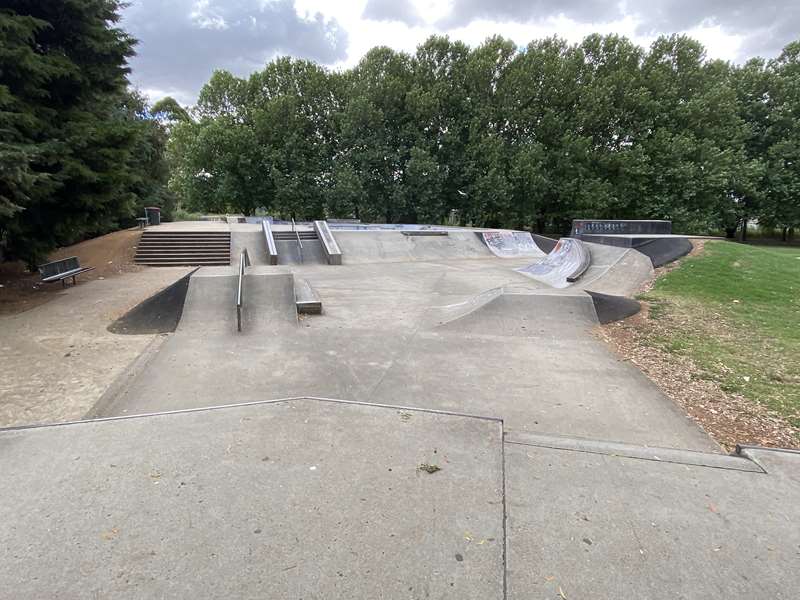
[(781, 206), (71, 131), (502, 136)]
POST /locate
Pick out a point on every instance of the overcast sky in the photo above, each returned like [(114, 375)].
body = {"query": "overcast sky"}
[(181, 42)]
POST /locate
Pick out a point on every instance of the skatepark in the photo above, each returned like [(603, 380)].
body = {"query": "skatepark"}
[(340, 410)]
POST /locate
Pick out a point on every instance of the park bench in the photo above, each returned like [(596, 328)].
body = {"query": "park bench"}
[(61, 270)]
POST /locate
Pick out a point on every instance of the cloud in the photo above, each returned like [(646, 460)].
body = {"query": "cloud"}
[(523, 11), (401, 11), (181, 42), (765, 26)]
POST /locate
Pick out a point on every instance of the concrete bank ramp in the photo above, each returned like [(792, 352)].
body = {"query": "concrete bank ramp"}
[(289, 252), (616, 271), (210, 306), (291, 499), (359, 247), (496, 313), (250, 237)]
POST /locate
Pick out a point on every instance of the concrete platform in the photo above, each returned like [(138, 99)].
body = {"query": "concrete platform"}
[(293, 499), (589, 523), (529, 358)]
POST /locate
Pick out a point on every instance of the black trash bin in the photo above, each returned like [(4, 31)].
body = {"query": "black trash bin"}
[(153, 214)]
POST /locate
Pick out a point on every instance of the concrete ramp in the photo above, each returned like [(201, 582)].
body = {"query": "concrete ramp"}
[(564, 265), (290, 253), (269, 301), (511, 244), (360, 247), (210, 302), (526, 315), (292, 499), (210, 306)]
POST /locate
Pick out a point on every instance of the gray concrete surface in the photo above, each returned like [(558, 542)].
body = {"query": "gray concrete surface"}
[(297, 499), (324, 499), (250, 237), (591, 525), (359, 247), (57, 360), (289, 253), (528, 357)]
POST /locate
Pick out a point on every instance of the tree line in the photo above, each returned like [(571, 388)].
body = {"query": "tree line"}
[(503, 136), (494, 135), (80, 153)]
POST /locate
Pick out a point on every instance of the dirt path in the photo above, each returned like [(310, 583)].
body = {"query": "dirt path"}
[(111, 255)]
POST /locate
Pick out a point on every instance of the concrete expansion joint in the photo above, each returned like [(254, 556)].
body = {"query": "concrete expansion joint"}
[(732, 462), (261, 402)]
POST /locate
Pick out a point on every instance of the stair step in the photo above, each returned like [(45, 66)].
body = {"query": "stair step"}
[(164, 238), (292, 237), (184, 263), (183, 247), (188, 259), (183, 254)]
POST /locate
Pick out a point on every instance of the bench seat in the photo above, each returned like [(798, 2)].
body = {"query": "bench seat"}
[(66, 274), (61, 270)]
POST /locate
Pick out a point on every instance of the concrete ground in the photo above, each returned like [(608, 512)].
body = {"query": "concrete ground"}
[(58, 359), (297, 499), (595, 523), (565, 473), (310, 498), (398, 333)]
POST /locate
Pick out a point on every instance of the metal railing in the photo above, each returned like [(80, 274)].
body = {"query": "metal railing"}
[(244, 261), (299, 243)]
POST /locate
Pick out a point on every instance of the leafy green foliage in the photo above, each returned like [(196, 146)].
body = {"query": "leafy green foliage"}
[(502, 136), (79, 153)]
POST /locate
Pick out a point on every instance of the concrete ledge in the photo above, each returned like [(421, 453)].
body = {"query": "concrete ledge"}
[(329, 245), (423, 233), (666, 455), (307, 299), (272, 250)]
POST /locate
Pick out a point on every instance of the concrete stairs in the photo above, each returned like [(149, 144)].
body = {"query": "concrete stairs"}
[(178, 248), (290, 236)]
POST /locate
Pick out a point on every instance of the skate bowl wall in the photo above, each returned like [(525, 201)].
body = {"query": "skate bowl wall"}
[(362, 247), (564, 265)]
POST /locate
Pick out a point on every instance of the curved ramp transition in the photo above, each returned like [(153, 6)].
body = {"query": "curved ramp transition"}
[(568, 260)]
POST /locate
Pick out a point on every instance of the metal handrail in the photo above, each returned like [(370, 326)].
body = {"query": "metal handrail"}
[(299, 243), (244, 261)]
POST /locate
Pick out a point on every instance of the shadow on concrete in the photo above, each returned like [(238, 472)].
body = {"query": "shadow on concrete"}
[(613, 308), (160, 313)]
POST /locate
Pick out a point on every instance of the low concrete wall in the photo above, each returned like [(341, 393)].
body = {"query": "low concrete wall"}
[(619, 226), (272, 250), (329, 245)]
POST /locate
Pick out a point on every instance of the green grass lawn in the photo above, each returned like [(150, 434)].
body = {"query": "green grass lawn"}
[(735, 310)]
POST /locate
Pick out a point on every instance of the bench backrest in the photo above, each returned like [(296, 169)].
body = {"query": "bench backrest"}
[(59, 266)]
